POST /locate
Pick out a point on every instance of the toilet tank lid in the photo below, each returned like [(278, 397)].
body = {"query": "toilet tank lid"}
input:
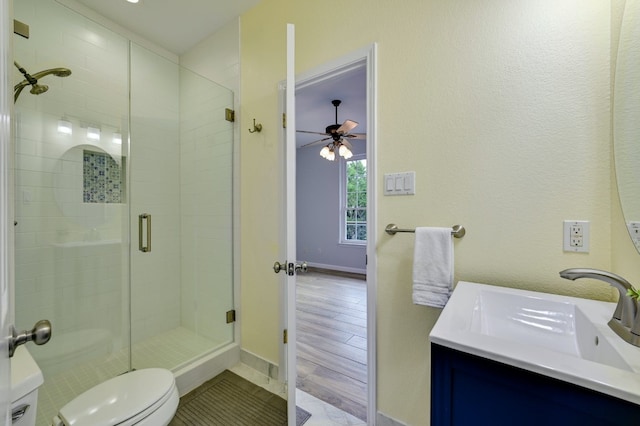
[(118, 399), (26, 376)]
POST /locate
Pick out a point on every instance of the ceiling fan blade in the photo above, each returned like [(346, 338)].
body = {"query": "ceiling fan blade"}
[(356, 136), (307, 131), (315, 142), (347, 126)]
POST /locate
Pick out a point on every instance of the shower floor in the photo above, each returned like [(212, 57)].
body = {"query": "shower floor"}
[(172, 350)]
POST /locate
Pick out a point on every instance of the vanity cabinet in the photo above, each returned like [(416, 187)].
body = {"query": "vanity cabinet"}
[(471, 390)]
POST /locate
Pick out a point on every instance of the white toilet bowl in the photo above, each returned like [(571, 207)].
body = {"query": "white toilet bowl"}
[(147, 397)]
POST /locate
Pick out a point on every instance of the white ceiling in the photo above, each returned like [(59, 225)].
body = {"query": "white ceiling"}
[(175, 25), (179, 25)]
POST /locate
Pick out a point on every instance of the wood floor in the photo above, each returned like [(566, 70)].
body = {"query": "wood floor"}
[(332, 340)]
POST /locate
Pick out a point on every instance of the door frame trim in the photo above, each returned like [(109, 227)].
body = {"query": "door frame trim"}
[(366, 57), (6, 204)]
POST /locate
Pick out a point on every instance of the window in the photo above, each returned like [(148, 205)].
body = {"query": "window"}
[(354, 201)]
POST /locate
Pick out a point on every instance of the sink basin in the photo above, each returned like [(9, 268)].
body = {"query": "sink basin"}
[(563, 337), (535, 321)]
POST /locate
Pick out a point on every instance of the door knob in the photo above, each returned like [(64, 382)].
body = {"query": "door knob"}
[(40, 334), (277, 267), (302, 267), (290, 268)]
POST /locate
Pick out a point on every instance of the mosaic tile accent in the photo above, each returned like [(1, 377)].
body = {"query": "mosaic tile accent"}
[(102, 178)]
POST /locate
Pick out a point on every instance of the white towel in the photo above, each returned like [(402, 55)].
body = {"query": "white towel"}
[(432, 266)]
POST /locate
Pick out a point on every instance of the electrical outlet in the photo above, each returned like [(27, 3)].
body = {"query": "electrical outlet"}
[(576, 230), (576, 236)]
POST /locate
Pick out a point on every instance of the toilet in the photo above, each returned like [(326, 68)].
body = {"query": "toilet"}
[(146, 397), (26, 378)]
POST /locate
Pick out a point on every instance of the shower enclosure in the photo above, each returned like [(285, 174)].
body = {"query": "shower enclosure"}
[(123, 206)]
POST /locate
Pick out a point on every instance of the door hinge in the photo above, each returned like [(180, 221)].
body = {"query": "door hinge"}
[(231, 316), (229, 115), (284, 120), (285, 336)]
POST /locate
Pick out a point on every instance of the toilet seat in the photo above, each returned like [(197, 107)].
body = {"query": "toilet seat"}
[(124, 400)]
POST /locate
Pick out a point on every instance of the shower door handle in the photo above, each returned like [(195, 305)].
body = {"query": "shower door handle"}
[(145, 248)]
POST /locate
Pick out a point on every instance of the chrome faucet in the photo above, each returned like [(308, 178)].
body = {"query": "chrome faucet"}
[(626, 318)]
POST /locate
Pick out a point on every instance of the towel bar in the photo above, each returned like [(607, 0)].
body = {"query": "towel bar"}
[(457, 231)]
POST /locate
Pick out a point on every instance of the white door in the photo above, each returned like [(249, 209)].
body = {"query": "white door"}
[(290, 213), (291, 266), (5, 216)]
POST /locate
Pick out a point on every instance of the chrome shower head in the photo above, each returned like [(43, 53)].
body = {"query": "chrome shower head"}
[(58, 72), (32, 80), (38, 89)]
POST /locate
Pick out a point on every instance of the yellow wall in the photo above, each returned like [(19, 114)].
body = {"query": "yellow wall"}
[(501, 107)]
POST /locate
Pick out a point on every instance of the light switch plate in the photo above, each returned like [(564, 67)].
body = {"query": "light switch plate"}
[(400, 183)]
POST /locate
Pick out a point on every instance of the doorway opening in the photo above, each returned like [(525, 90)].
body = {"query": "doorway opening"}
[(333, 201)]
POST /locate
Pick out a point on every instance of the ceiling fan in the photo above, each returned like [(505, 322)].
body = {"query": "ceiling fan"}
[(339, 134)]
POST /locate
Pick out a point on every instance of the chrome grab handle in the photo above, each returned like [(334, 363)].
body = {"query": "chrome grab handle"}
[(40, 334), (144, 248)]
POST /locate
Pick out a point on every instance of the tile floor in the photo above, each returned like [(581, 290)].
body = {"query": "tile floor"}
[(169, 351), (322, 414)]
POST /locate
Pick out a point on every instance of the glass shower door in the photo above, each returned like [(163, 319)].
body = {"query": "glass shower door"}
[(182, 177)]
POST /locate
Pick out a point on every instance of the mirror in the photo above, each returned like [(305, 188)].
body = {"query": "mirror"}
[(626, 119)]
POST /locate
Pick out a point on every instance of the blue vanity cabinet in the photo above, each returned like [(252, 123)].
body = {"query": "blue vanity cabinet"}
[(471, 390)]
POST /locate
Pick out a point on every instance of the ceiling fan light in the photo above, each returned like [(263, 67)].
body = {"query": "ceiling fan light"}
[(331, 156), (347, 154), (343, 150), (324, 152)]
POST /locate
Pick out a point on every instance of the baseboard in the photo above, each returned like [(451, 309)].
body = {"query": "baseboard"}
[(337, 268), (259, 364), (383, 420)]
